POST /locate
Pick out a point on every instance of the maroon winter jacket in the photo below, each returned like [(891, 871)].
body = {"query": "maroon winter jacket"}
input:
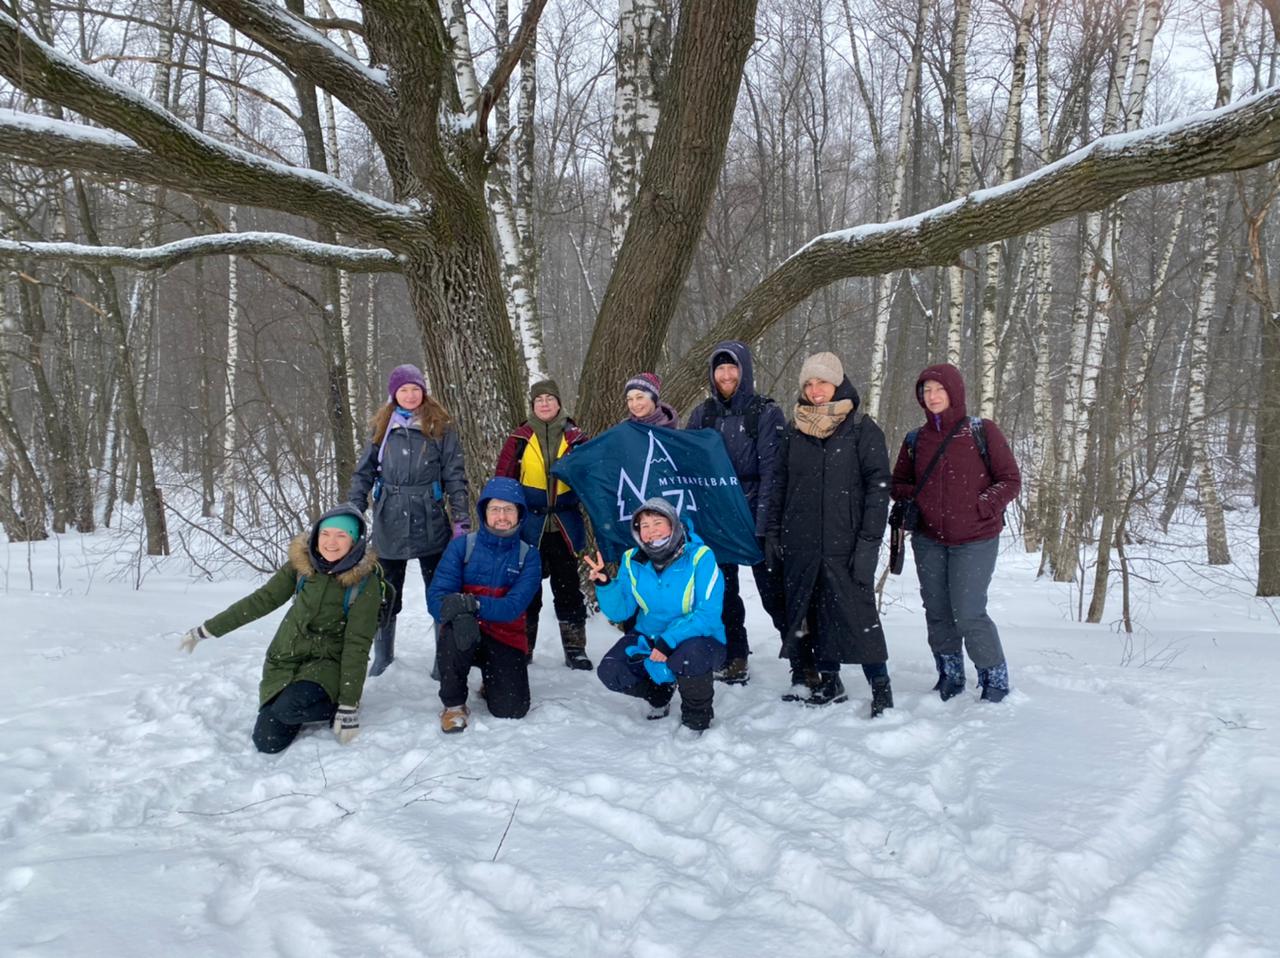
[(961, 502)]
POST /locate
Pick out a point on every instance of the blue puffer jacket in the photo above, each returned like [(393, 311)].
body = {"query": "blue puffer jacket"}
[(503, 587), (755, 460), (682, 601)]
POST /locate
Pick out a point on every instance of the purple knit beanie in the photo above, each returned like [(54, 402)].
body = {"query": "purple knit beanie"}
[(406, 375), (648, 382)]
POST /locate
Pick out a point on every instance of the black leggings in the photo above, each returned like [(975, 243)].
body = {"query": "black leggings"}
[(394, 571)]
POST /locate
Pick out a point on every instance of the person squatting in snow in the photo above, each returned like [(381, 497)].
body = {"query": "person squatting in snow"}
[(751, 427), (315, 666), (825, 522), (553, 522), (413, 463), (482, 586), (671, 584), (958, 474)]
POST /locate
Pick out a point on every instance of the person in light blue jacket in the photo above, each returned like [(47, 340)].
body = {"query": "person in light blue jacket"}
[(674, 587)]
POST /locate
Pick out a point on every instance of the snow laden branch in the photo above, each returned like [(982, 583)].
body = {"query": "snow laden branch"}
[(1237, 137), (160, 149), (164, 257)]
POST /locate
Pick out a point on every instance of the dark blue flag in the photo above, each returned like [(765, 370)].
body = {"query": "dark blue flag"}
[(621, 468)]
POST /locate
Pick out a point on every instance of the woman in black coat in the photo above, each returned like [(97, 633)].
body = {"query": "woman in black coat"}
[(826, 520)]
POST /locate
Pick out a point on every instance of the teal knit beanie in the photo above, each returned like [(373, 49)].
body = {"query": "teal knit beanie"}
[(348, 524)]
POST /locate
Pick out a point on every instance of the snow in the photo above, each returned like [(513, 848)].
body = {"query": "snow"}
[(1122, 801)]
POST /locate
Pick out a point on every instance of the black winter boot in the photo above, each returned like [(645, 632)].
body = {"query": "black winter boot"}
[(881, 696), (952, 682), (942, 675), (696, 695), (804, 679), (829, 691), (384, 646), (994, 682), (530, 634), (573, 636)]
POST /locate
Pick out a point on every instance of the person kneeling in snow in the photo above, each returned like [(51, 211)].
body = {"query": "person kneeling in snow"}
[(673, 582), (478, 597), (315, 666)]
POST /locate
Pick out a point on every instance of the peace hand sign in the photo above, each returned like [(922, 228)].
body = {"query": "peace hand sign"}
[(596, 566)]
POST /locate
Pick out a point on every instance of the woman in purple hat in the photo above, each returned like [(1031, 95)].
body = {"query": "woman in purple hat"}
[(644, 402), (413, 464)]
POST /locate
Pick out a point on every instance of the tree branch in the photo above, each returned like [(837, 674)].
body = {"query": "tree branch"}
[(165, 257), (310, 54), (502, 73), (1237, 137), (205, 169)]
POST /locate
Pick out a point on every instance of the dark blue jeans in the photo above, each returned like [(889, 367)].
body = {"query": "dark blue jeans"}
[(953, 585)]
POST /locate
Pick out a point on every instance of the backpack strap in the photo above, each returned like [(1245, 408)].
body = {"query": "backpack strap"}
[(979, 433), (471, 547)]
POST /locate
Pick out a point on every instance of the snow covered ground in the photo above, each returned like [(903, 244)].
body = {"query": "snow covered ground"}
[(1121, 802)]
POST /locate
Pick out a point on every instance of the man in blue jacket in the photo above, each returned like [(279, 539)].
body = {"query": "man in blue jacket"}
[(751, 426), (671, 583), (478, 597)]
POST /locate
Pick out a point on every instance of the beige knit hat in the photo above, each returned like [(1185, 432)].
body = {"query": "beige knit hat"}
[(824, 366)]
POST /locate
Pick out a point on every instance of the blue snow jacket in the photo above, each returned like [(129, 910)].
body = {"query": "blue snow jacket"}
[(755, 458), (682, 601), (503, 587)]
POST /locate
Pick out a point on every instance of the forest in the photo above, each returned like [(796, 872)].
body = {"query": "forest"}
[(223, 221)]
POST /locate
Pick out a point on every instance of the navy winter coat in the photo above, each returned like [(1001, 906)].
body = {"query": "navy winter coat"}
[(755, 459), (494, 575)]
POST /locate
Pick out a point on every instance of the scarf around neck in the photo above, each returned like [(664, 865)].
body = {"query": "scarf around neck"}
[(821, 421)]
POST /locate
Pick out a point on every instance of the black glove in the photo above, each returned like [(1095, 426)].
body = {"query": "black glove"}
[(866, 553), (772, 553), (465, 629), (456, 604)]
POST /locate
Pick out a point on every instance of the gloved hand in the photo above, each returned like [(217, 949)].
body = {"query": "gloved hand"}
[(464, 631), (456, 604), (193, 636), (346, 723), (772, 553), (461, 528), (660, 672), (866, 554)]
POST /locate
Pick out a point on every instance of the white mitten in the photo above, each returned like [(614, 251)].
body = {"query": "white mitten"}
[(189, 641), (346, 723)]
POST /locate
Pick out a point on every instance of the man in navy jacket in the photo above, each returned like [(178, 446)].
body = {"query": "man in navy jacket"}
[(751, 427)]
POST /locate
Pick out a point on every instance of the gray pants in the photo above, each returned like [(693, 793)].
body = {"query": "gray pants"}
[(953, 585)]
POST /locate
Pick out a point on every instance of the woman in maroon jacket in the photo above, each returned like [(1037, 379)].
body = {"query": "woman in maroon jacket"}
[(957, 532)]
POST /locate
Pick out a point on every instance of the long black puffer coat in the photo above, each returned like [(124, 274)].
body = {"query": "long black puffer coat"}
[(829, 510)]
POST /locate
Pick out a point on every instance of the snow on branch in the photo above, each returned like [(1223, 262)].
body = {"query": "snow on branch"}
[(249, 243), (1236, 137), (170, 152)]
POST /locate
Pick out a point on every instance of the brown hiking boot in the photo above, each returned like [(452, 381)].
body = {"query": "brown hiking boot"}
[(573, 636), (735, 672), (454, 719)]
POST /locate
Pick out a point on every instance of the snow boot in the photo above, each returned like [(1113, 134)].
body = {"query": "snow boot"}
[(881, 695), (384, 646), (994, 682), (937, 662), (735, 672), (952, 682), (454, 719), (573, 637), (804, 679), (829, 691), (696, 695)]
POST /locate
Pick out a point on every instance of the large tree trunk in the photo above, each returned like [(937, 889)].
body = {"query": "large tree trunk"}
[(677, 186)]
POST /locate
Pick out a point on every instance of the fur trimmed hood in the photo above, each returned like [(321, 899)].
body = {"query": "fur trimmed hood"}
[(351, 568)]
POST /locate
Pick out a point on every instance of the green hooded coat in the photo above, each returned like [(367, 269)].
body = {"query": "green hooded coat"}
[(316, 640)]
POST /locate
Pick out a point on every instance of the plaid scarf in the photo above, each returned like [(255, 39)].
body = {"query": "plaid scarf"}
[(821, 421)]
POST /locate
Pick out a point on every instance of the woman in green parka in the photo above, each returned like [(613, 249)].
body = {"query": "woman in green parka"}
[(315, 666)]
